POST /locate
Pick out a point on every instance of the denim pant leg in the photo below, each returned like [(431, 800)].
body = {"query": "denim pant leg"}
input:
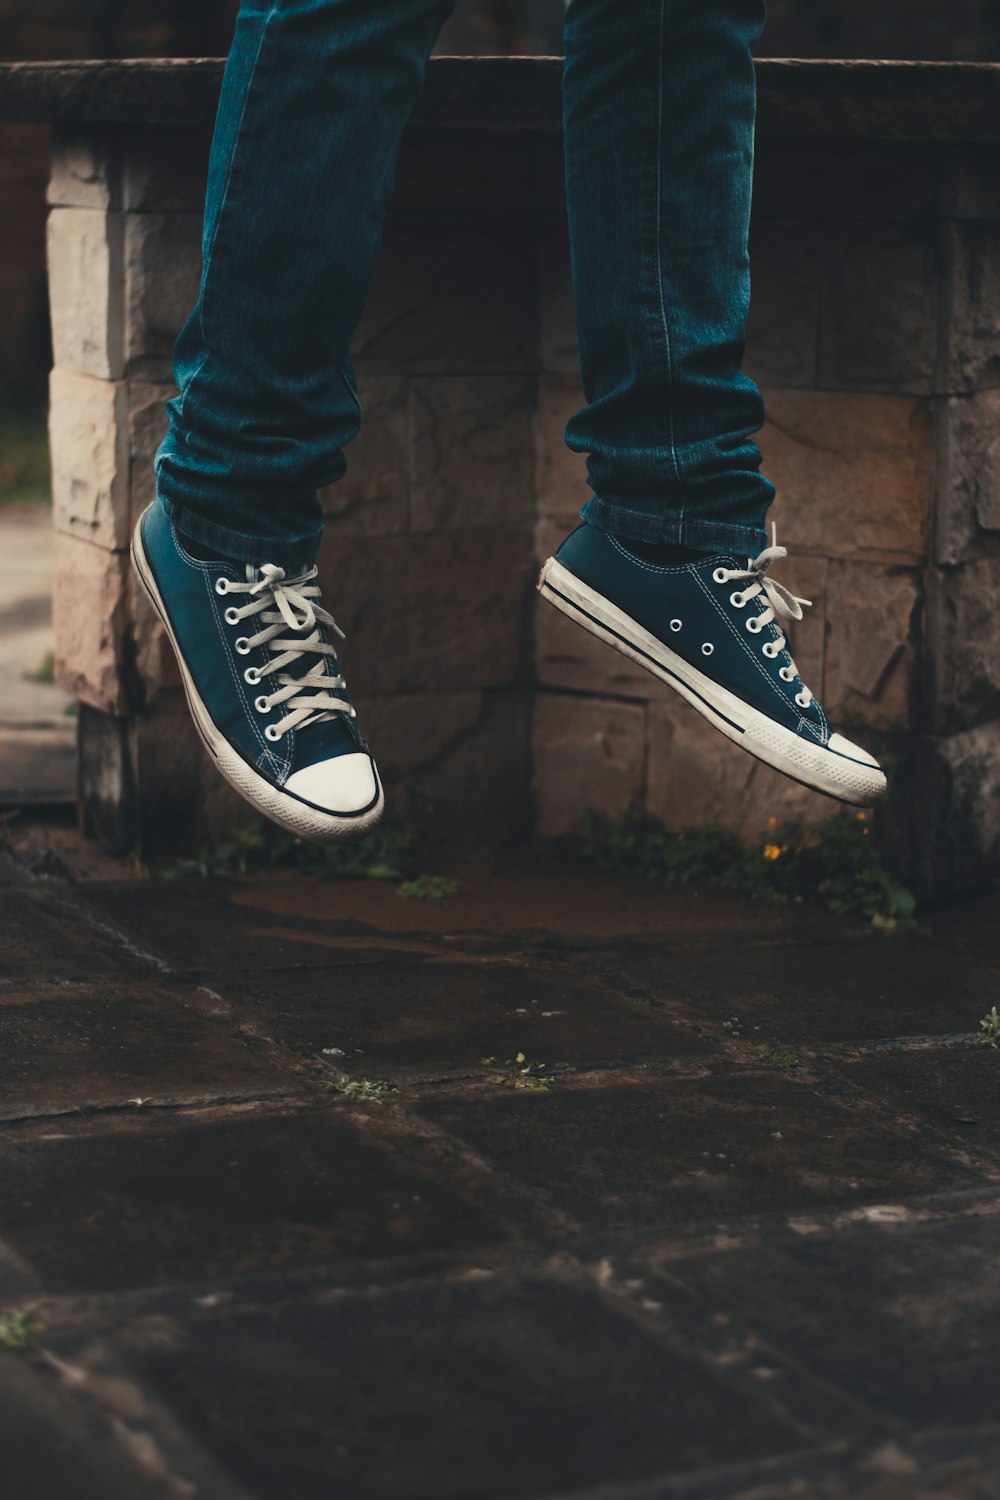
[(314, 101), (660, 104)]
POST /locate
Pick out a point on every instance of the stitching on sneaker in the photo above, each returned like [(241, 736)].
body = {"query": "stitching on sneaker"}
[(733, 631), (649, 567)]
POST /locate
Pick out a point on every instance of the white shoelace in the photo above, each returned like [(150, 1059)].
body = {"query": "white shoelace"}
[(780, 601), (281, 605)]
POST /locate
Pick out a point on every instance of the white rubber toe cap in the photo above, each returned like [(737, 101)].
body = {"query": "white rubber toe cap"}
[(345, 784), (841, 746)]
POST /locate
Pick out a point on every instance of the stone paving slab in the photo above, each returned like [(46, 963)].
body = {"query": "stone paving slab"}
[(408, 1021), (656, 1151), (743, 1247), (121, 1044), (503, 1385)]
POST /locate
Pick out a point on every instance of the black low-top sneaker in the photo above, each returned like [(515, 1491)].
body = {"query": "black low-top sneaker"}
[(262, 680), (710, 631)]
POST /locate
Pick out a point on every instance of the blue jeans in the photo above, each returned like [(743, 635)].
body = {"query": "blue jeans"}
[(659, 120)]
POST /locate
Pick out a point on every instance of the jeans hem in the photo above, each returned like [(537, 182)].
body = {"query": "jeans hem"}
[(675, 528), (237, 546)]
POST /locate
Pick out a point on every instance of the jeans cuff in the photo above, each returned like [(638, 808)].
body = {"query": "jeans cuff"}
[(237, 546), (676, 528)]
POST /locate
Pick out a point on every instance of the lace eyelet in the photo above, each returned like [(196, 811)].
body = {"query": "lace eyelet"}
[(262, 704), (242, 646), (720, 575), (737, 600), (754, 626), (271, 733), (252, 676), (675, 625), (802, 701), (707, 649), (786, 674), (770, 650), (222, 585), (232, 615)]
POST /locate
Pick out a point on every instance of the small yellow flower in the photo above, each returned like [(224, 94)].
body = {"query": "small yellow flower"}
[(772, 822), (771, 851)]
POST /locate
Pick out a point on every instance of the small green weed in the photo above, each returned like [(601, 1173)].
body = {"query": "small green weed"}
[(519, 1073), (990, 1027), (836, 863), (45, 671), (17, 1328), (388, 853), (363, 1090), (429, 888), (784, 1059)]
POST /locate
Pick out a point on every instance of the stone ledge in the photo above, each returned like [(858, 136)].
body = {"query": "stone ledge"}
[(799, 100)]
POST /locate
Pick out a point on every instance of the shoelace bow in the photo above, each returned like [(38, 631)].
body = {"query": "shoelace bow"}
[(281, 604), (780, 601)]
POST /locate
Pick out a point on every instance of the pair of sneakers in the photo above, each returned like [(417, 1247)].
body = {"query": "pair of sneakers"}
[(260, 669)]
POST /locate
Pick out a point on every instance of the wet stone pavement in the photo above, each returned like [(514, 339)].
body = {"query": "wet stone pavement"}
[(745, 1243)]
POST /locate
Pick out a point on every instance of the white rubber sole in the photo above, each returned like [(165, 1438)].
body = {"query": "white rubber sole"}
[(831, 771), (289, 811)]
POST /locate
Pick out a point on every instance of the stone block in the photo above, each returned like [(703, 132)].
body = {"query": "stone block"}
[(409, 732), (450, 297), (550, 174), (567, 656), (557, 312), (88, 438), (86, 168), (783, 329), (480, 176), (162, 272), (964, 640), (853, 472), (971, 355), (90, 616), (85, 265), (147, 424), (182, 802), (561, 475), (968, 469), (839, 180), (587, 753), (971, 182), (153, 656), (698, 778), (473, 451), (431, 613), (164, 168), (373, 498), (872, 644), (880, 308), (960, 803)]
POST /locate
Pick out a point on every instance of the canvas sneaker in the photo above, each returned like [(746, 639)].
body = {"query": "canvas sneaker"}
[(263, 683), (711, 631)]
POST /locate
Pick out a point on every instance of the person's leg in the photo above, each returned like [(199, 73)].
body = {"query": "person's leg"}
[(315, 98), (660, 101), (314, 101), (671, 564)]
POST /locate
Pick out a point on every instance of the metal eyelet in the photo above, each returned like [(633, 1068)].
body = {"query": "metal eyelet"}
[(737, 600), (786, 674), (675, 625), (222, 585), (242, 646), (720, 575), (232, 615), (271, 733), (801, 700), (707, 649), (754, 626), (252, 676), (770, 650), (262, 704)]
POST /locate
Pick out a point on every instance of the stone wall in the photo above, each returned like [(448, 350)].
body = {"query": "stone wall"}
[(874, 334)]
